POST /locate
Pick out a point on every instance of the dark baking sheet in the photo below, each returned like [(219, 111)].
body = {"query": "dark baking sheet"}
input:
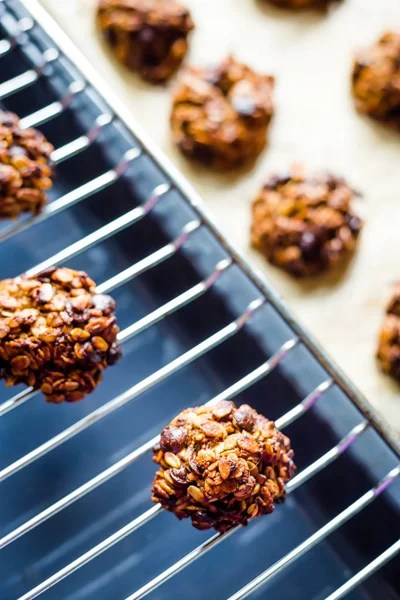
[(143, 555)]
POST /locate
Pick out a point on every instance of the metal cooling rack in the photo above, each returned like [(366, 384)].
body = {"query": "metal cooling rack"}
[(363, 466)]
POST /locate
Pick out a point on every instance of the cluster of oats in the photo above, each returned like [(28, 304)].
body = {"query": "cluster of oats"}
[(221, 466), (149, 36), (220, 116), (56, 333), (25, 172), (304, 224), (376, 79)]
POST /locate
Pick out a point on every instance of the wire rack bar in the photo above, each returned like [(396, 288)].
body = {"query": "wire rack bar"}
[(365, 573), (329, 457), (304, 406), (17, 400), (150, 261), (105, 232), (55, 108), (128, 460), (320, 535), (170, 307), (96, 551), (71, 198), (81, 143), (24, 25), (144, 385), (18, 83), (129, 528), (5, 47)]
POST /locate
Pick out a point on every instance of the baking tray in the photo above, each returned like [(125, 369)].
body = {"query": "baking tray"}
[(198, 322)]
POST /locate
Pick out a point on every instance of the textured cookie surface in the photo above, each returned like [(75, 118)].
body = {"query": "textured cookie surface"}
[(299, 4), (376, 79), (221, 466), (25, 172), (220, 115), (149, 36), (304, 224), (388, 352), (56, 333)]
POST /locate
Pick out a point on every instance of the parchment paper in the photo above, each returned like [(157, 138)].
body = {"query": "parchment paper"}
[(315, 123)]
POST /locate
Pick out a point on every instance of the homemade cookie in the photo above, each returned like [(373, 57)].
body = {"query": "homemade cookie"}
[(299, 4), (388, 352), (221, 466), (56, 333), (149, 36), (376, 79), (220, 116), (25, 171), (304, 224)]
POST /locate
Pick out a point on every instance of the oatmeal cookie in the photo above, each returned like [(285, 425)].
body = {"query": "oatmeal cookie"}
[(56, 333), (299, 4), (25, 171), (149, 36), (376, 79), (220, 116), (388, 352), (221, 466), (304, 224)]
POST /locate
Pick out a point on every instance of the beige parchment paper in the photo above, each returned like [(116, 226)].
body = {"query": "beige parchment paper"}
[(315, 123)]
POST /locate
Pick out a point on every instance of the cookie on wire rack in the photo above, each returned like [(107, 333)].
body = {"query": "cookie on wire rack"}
[(221, 466), (56, 333), (25, 168)]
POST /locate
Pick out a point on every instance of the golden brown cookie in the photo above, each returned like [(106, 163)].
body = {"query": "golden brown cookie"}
[(56, 333), (376, 79), (303, 4), (304, 224), (149, 36), (220, 116), (388, 352), (25, 171), (221, 466)]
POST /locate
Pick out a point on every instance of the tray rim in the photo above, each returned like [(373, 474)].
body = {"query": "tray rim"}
[(179, 181)]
